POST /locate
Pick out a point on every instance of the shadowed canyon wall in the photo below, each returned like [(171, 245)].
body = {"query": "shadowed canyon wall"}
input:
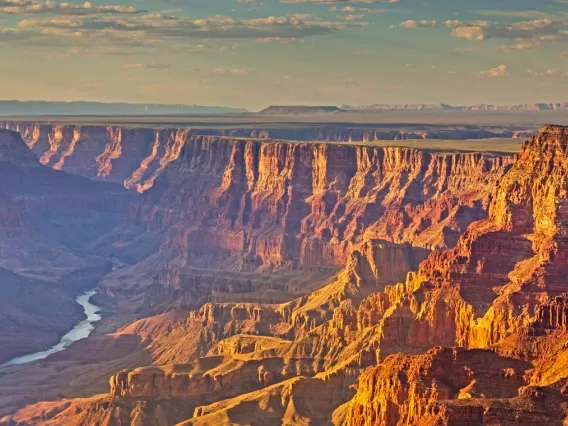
[(46, 217)]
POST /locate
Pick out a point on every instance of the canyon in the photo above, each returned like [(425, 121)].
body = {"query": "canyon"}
[(46, 216), (292, 276)]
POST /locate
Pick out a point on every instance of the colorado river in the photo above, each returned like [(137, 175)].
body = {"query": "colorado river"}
[(80, 331)]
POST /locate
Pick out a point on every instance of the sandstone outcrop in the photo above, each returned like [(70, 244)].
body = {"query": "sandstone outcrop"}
[(293, 402), (445, 293), (403, 389), (136, 157)]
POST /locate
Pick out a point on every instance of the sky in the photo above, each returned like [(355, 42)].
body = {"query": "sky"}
[(247, 53)]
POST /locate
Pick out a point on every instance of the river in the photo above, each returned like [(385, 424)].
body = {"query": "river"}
[(80, 331)]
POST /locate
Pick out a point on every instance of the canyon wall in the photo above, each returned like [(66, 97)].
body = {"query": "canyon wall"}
[(46, 216), (136, 156), (447, 280), (263, 206), (500, 286), (248, 205), (503, 286)]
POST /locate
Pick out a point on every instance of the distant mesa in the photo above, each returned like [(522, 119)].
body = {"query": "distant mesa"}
[(399, 107), (300, 109), (19, 108), (560, 106), (307, 109)]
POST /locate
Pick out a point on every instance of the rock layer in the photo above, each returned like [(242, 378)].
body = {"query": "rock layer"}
[(135, 157), (472, 335)]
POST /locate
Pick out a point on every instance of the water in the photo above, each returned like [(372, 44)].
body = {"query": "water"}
[(81, 331)]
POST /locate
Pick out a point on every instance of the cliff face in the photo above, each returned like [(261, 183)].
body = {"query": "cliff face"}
[(402, 389), (304, 205), (135, 157), (452, 387), (129, 156), (502, 281), (492, 281), (257, 207), (482, 236)]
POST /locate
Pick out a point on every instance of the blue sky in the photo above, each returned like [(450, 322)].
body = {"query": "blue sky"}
[(255, 53)]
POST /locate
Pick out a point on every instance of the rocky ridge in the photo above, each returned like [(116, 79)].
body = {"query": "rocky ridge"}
[(558, 106), (468, 295), (136, 156), (472, 335)]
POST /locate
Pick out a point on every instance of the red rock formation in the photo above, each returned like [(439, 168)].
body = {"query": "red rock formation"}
[(135, 157), (502, 280), (402, 389), (247, 207), (265, 194), (501, 269)]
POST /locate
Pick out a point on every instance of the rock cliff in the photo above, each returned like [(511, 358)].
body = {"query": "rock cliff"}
[(445, 303), (501, 284), (281, 205), (501, 279), (136, 157), (403, 389), (248, 206)]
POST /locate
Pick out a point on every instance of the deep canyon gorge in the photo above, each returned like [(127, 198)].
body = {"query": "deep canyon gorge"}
[(302, 276)]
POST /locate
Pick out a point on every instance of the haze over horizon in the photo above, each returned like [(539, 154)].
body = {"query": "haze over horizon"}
[(248, 53)]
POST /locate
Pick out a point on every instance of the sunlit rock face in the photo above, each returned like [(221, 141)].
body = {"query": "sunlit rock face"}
[(303, 205), (502, 284), (447, 306), (264, 206), (136, 156), (403, 389)]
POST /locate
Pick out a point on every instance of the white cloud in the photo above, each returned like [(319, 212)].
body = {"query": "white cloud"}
[(29, 7), (499, 71), (553, 72), (525, 35)]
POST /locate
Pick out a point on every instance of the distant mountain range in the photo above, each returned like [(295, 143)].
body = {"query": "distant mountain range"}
[(15, 108), (327, 109), (37, 108), (561, 106)]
